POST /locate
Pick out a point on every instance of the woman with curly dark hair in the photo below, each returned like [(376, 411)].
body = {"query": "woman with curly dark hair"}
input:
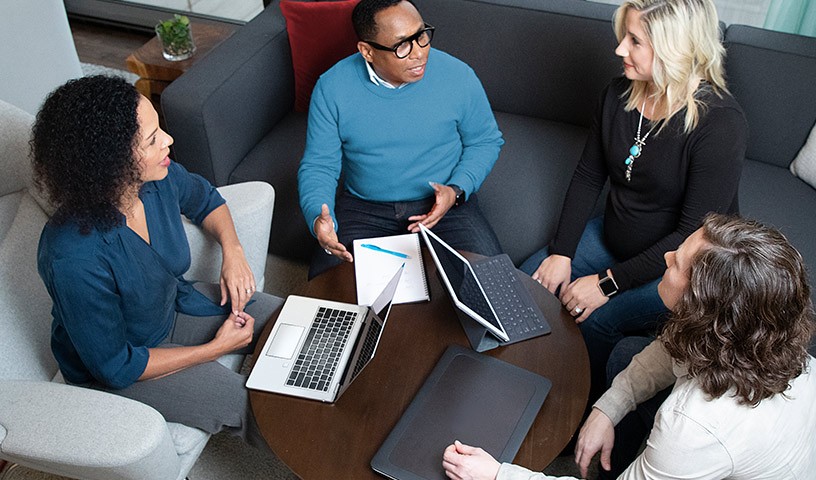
[(113, 257), (735, 351)]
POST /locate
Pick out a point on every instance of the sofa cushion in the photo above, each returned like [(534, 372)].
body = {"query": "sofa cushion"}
[(275, 159), (804, 165), (25, 307), (771, 75), (320, 34), (523, 195), (15, 131), (546, 59), (773, 196)]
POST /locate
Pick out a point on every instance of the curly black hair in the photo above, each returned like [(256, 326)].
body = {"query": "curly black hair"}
[(83, 149), (362, 17)]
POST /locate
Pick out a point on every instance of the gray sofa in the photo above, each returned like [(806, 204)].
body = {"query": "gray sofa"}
[(543, 64)]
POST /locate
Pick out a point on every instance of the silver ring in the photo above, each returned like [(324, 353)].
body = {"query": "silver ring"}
[(328, 252), (577, 310), (248, 291)]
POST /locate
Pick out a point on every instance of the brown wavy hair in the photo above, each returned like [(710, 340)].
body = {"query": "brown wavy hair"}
[(746, 319)]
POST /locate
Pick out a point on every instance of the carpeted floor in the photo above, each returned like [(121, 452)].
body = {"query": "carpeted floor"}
[(89, 69)]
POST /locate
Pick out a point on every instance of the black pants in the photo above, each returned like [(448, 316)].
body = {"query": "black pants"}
[(635, 426)]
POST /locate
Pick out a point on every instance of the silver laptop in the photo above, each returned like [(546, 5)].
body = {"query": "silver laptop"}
[(318, 347), (488, 291)]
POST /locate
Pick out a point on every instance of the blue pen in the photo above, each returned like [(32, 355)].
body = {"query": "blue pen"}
[(380, 249)]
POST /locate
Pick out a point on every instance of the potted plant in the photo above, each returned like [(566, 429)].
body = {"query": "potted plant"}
[(176, 38)]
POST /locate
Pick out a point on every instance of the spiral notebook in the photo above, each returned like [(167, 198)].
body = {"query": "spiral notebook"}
[(376, 259)]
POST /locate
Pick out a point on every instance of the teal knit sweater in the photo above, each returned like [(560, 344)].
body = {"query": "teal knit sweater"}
[(390, 143)]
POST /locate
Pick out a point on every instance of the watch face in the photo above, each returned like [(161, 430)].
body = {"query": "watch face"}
[(608, 286)]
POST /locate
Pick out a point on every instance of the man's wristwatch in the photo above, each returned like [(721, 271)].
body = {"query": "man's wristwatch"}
[(460, 195), (607, 284)]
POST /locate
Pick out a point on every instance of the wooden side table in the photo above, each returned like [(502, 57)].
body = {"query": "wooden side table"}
[(156, 73)]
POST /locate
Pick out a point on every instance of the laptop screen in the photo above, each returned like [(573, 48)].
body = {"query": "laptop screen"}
[(366, 343), (462, 280)]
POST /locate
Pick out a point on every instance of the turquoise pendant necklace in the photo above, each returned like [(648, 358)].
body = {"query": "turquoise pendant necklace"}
[(637, 148)]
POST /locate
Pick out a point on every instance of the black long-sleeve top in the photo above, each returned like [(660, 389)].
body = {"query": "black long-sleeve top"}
[(675, 182)]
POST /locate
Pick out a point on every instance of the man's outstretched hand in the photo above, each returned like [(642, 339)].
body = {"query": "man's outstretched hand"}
[(445, 198), (327, 237)]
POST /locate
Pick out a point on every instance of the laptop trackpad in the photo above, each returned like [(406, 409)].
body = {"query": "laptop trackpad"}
[(286, 341)]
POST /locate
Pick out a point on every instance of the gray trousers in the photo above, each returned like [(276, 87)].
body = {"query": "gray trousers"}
[(208, 396)]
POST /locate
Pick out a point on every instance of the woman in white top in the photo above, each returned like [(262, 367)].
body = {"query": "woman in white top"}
[(735, 349)]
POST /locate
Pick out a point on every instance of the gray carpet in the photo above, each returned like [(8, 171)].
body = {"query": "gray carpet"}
[(89, 69)]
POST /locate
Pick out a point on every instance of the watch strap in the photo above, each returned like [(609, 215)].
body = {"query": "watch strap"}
[(460, 195)]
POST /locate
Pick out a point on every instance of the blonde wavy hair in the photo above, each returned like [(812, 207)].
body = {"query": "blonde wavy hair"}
[(684, 35)]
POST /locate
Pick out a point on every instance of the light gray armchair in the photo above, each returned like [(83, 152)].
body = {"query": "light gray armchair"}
[(52, 427)]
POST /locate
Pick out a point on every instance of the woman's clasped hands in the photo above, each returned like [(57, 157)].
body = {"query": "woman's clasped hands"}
[(237, 281), (580, 297)]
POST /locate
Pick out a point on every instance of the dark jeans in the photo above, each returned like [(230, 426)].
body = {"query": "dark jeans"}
[(463, 227), (629, 312), (634, 427)]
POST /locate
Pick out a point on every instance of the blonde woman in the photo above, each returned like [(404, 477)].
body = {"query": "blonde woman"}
[(670, 140)]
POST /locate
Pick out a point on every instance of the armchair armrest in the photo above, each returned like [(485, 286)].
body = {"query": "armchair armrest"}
[(251, 205), (225, 104), (83, 433)]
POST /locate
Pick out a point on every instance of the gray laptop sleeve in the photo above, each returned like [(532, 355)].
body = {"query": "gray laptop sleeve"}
[(470, 397)]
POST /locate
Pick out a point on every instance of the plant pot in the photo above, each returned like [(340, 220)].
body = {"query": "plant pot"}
[(179, 47)]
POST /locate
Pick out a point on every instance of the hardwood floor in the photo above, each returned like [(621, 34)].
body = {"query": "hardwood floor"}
[(105, 45)]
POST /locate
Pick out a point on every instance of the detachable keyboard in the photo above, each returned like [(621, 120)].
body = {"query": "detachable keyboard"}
[(511, 300), (318, 358)]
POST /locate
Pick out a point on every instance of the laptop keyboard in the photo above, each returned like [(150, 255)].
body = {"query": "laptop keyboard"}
[(318, 358), (512, 302)]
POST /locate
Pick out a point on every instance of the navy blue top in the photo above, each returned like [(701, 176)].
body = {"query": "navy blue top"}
[(114, 294)]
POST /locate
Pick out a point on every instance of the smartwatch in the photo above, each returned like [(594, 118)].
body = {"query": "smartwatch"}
[(607, 284), (460, 195)]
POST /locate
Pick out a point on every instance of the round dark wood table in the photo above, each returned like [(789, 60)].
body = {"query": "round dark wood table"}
[(320, 441)]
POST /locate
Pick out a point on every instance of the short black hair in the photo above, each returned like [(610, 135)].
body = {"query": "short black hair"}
[(363, 16), (83, 149)]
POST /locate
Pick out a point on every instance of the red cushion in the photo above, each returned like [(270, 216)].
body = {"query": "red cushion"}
[(320, 34)]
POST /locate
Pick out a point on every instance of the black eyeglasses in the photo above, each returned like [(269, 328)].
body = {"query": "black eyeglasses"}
[(403, 49)]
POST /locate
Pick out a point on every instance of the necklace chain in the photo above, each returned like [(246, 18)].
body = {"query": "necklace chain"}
[(636, 149)]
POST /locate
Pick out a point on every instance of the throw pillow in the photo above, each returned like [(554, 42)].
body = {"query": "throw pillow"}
[(320, 35), (804, 165)]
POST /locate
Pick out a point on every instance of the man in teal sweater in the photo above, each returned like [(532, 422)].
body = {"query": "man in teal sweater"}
[(412, 130)]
